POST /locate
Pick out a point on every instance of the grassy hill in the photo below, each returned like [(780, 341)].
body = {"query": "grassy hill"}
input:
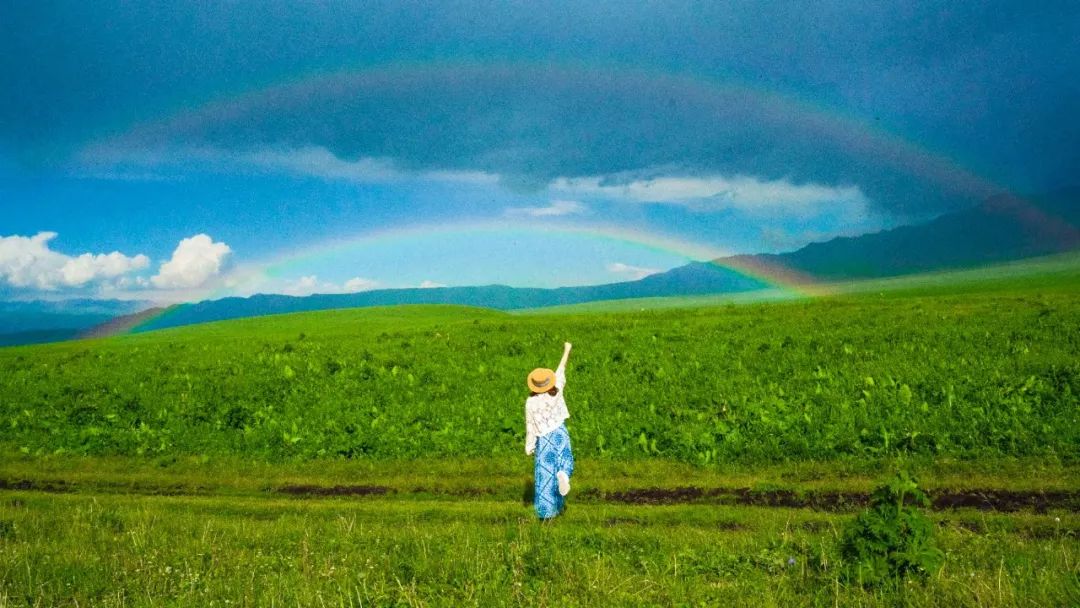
[(990, 372)]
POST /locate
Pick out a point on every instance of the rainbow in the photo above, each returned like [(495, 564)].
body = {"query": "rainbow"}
[(247, 278), (690, 251), (855, 135)]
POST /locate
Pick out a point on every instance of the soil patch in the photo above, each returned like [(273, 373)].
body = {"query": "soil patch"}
[(54, 487), (984, 500), (822, 501), (1006, 500), (310, 490), (653, 496), (831, 501)]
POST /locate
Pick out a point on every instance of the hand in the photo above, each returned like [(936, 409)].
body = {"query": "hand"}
[(565, 355)]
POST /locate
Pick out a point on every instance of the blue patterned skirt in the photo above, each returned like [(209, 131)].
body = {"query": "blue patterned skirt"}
[(553, 454)]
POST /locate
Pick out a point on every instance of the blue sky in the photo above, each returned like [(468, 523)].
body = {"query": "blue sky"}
[(176, 151)]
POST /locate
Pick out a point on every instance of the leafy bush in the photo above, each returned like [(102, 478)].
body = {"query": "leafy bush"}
[(892, 538)]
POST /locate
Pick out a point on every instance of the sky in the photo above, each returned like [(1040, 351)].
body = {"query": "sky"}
[(174, 151)]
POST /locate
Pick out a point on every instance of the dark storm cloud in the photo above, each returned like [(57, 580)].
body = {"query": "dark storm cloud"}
[(533, 124), (992, 84)]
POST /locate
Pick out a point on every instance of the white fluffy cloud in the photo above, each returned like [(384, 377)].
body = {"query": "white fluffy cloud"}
[(195, 261), (308, 285), (556, 208), (356, 284), (635, 272), (303, 286), (715, 193), (28, 262), (430, 285)]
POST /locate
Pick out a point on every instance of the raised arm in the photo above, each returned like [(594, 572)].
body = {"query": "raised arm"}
[(560, 372)]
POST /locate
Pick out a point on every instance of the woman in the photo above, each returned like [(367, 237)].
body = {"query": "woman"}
[(546, 435)]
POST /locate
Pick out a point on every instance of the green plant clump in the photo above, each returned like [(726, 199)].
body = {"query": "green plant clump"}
[(892, 539)]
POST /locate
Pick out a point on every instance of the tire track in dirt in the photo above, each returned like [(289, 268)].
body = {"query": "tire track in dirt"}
[(997, 499)]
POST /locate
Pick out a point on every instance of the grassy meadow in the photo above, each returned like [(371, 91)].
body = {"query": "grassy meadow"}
[(112, 550), (374, 457)]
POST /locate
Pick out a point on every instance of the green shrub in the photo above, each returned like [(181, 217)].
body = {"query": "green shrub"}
[(892, 539)]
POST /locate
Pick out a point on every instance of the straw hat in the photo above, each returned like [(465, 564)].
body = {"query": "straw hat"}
[(541, 380)]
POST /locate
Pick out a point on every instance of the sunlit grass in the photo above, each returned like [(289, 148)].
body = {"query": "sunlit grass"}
[(113, 550), (975, 376)]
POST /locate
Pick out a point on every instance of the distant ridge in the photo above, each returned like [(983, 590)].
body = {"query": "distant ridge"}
[(1000, 229), (683, 280)]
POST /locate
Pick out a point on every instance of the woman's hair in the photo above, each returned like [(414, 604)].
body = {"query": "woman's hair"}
[(554, 391)]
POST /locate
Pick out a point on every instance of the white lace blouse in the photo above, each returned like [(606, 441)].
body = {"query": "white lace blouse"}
[(544, 413)]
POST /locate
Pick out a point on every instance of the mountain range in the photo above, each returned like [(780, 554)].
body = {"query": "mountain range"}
[(1000, 229)]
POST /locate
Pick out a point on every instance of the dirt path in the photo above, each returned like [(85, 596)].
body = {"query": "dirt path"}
[(941, 499)]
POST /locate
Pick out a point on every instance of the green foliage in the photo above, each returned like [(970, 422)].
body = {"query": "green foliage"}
[(397, 550), (892, 539), (971, 376)]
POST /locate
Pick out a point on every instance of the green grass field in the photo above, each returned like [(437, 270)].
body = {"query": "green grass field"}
[(207, 550), (120, 532), (375, 457)]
